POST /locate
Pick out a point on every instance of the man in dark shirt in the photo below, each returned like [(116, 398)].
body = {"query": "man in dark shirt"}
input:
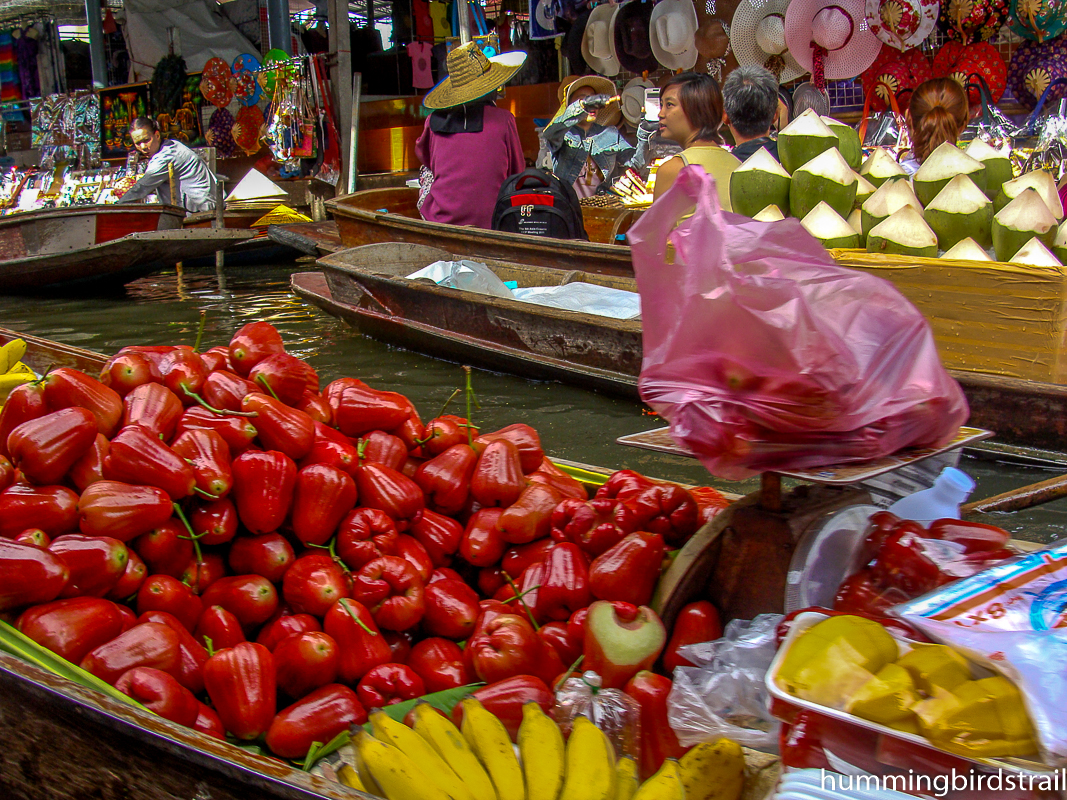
[(750, 101)]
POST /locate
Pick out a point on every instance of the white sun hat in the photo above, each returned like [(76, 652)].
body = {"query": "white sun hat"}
[(672, 33), (598, 44)]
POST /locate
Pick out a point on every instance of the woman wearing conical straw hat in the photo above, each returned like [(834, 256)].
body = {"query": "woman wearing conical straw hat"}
[(468, 144)]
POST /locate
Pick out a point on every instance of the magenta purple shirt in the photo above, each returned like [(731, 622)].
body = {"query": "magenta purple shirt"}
[(469, 169)]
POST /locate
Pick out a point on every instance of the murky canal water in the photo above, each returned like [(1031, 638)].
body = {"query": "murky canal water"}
[(573, 423)]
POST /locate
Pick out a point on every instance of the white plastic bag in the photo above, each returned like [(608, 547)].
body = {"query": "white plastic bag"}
[(726, 693), (589, 298), (471, 276)]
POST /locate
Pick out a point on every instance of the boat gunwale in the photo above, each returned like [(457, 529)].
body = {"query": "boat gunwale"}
[(18, 217)]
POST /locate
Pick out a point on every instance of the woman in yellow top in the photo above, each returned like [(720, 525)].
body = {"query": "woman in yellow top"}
[(691, 114)]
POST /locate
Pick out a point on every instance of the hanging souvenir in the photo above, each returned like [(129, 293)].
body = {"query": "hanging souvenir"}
[(245, 86), (246, 129), (216, 83), (220, 133), (1037, 20), (269, 78), (969, 21), (902, 23), (894, 73), (961, 62)]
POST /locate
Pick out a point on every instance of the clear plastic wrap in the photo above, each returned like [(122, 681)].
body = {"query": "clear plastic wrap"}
[(726, 694), (611, 710), (471, 276), (765, 355)]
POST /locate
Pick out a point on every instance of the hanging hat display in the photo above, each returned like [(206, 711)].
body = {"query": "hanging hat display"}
[(895, 73), (961, 62), (1037, 20), (245, 86), (969, 21), (609, 114), (471, 76), (902, 23), (598, 40), (216, 83), (633, 99), (757, 37), (830, 38), (633, 45), (1034, 68), (573, 39), (713, 46), (672, 33)]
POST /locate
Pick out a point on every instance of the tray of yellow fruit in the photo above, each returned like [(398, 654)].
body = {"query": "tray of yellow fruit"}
[(852, 669)]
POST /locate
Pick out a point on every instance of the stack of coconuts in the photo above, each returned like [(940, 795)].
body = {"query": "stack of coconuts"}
[(960, 202)]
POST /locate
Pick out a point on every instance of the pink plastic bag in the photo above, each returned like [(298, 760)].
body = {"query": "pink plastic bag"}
[(765, 355)]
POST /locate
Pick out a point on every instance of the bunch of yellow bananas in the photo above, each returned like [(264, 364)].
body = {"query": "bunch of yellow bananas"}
[(435, 760), (12, 371)]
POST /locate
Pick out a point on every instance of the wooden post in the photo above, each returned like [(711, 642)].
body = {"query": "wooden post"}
[(353, 133), (341, 78)]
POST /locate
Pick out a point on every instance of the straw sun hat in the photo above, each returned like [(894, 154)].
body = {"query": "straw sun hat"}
[(609, 114), (471, 75), (757, 38), (831, 37)]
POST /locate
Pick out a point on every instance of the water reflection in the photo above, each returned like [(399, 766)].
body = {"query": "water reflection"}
[(574, 423)]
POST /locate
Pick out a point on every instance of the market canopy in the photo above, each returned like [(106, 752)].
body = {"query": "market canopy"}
[(205, 33)]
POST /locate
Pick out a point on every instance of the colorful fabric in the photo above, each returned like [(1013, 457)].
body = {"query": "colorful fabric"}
[(970, 21), (10, 85)]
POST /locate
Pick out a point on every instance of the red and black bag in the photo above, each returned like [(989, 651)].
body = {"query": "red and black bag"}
[(538, 203)]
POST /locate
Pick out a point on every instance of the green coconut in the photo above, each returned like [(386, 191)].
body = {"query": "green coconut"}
[(941, 166), (826, 177), (803, 139), (829, 227), (967, 250), (887, 199), (1035, 254), (880, 167), (998, 170), (1038, 180), (864, 189), (1020, 220), (758, 183), (856, 223), (904, 233), (1059, 244), (960, 210), (769, 214), (848, 141)]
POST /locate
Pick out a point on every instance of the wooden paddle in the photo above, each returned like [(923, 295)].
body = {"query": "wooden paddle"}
[(1033, 494)]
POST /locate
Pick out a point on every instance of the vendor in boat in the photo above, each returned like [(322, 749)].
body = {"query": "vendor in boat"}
[(751, 102), (468, 146), (194, 183), (588, 151), (938, 113), (691, 113)]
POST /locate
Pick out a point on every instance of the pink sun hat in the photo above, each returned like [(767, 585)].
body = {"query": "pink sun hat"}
[(830, 38)]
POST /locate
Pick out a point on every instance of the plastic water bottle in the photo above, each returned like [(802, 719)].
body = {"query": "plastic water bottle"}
[(940, 501)]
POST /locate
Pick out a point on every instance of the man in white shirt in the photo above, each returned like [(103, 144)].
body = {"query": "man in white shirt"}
[(194, 182)]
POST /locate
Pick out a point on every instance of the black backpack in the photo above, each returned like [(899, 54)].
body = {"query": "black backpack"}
[(538, 203)]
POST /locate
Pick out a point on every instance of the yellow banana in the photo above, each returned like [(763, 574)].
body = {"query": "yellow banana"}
[(10, 354), (18, 375), (421, 752), (395, 773), (350, 777), (590, 760), (489, 740), (626, 780), (713, 771), (449, 743), (541, 747), (666, 784)]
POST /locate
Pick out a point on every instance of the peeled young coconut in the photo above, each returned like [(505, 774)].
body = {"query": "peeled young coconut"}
[(887, 199), (941, 166), (757, 183), (1059, 244), (1023, 218), (1038, 180), (825, 178), (864, 189), (904, 233), (998, 169), (880, 166), (848, 141), (769, 214), (1035, 254), (960, 210), (967, 250), (855, 222), (830, 228), (803, 139)]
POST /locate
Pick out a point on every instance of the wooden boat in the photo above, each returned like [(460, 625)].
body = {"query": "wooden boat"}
[(310, 238), (366, 287), (390, 215), (60, 230)]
